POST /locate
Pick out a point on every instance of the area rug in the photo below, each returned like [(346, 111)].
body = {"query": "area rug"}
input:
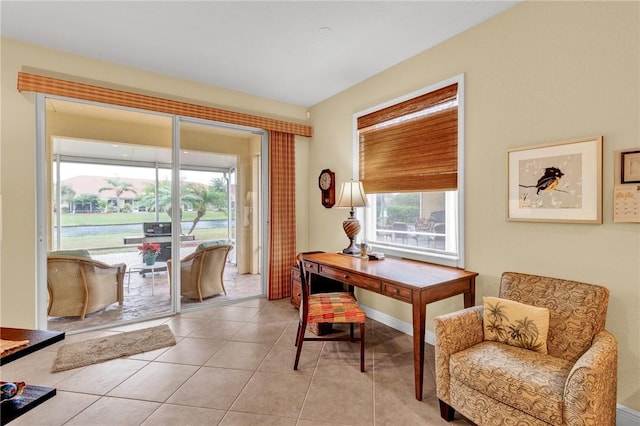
[(93, 351)]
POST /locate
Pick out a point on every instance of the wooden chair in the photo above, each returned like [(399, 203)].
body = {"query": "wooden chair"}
[(335, 307), (79, 285)]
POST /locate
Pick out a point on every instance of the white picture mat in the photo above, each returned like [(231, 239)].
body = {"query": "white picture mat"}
[(590, 185)]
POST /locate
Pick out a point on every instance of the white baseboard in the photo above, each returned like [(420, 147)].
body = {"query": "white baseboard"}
[(624, 416)]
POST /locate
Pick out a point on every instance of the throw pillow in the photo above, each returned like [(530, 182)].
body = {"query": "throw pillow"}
[(516, 324)]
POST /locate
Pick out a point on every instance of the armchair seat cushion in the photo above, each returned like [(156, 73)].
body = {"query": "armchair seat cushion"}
[(529, 381)]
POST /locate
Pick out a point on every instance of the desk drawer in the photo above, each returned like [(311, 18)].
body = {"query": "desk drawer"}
[(397, 292), (310, 266), (351, 279)]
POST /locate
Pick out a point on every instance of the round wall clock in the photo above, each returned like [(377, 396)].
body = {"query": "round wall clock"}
[(327, 184)]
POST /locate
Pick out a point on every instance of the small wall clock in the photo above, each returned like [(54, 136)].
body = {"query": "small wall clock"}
[(327, 184)]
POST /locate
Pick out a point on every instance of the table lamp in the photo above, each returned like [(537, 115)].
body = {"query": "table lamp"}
[(352, 195)]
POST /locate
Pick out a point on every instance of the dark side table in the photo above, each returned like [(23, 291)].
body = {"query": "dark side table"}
[(32, 395)]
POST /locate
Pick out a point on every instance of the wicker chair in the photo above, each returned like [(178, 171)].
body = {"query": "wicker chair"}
[(494, 383), (79, 285), (201, 272)]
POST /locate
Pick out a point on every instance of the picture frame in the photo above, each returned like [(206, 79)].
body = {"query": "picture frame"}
[(556, 182), (630, 167)]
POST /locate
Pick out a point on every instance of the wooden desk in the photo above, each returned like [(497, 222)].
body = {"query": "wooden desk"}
[(31, 395), (417, 283)]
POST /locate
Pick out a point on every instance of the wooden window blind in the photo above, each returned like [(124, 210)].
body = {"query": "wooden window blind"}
[(411, 146), (54, 86)]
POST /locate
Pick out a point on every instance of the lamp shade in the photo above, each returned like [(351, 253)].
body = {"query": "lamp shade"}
[(352, 195)]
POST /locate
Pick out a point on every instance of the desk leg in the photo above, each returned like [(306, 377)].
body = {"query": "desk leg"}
[(470, 297), (419, 320)]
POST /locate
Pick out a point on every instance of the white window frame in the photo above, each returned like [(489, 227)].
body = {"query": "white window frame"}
[(455, 227)]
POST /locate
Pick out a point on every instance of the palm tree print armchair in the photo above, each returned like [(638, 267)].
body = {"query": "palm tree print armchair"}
[(557, 365)]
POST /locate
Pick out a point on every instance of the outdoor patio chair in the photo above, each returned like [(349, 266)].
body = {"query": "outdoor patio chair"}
[(201, 272), (79, 285)]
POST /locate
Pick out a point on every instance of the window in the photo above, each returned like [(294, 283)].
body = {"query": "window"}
[(410, 150)]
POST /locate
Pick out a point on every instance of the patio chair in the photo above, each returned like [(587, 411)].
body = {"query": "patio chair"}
[(201, 272), (79, 285)]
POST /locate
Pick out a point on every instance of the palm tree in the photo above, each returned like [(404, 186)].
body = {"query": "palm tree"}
[(148, 199), (86, 200), (67, 194), (200, 197), (119, 187)]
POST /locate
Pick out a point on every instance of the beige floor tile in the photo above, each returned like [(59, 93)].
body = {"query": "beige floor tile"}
[(395, 404), (260, 332), (338, 400), (282, 314), (234, 418), (35, 369), (395, 368), (281, 358), (235, 313), (211, 388), (114, 411), (57, 410), (155, 382), (273, 393), (218, 329), (191, 350), (239, 355), (303, 422), (169, 414), (101, 378), (233, 365)]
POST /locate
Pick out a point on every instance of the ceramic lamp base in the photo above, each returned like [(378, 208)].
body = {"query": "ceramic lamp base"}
[(351, 227)]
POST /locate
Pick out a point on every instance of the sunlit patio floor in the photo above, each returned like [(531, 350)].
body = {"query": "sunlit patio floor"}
[(140, 303)]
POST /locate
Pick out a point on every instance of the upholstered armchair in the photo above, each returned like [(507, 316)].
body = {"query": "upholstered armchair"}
[(496, 383), (79, 285), (201, 272)]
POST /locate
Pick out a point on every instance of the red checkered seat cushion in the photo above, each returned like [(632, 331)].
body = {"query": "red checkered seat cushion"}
[(334, 307)]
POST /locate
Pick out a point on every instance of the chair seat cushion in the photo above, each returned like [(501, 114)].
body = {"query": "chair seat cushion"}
[(334, 307), (528, 381)]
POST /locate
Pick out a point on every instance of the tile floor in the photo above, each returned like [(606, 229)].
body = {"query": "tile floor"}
[(233, 365)]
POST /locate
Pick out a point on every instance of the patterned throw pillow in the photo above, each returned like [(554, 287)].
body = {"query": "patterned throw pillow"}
[(516, 324)]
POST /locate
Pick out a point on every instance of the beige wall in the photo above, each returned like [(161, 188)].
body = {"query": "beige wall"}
[(17, 148), (541, 72)]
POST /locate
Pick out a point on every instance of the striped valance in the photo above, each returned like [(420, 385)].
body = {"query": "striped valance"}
[(54, 86)]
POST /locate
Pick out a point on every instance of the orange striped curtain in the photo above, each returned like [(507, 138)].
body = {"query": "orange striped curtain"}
[(282, 213)]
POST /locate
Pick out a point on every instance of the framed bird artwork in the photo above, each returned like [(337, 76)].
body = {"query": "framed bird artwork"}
[(556, 182)]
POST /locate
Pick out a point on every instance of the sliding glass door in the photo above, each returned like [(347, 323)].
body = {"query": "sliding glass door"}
[(117, 224)]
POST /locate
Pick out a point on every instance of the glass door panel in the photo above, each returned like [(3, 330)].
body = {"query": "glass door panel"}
[(215, 174), (109, 188)]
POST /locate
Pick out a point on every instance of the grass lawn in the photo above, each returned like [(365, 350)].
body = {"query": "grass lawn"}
[(117, 240), (80, 219)]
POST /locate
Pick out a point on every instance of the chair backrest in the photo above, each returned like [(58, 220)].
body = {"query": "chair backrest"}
[(577, 311), (76, 283), (304, 284), (202, 274)]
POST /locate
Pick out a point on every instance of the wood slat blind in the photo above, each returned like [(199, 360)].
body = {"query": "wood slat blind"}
[(411, 146), (54, 86)]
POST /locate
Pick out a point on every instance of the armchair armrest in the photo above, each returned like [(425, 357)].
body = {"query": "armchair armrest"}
[(455, 332), (590, 390)]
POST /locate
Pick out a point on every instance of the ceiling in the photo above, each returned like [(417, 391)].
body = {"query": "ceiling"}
[(299, 52)]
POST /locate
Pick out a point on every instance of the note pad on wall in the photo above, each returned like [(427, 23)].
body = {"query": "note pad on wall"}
[(626, 203)]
